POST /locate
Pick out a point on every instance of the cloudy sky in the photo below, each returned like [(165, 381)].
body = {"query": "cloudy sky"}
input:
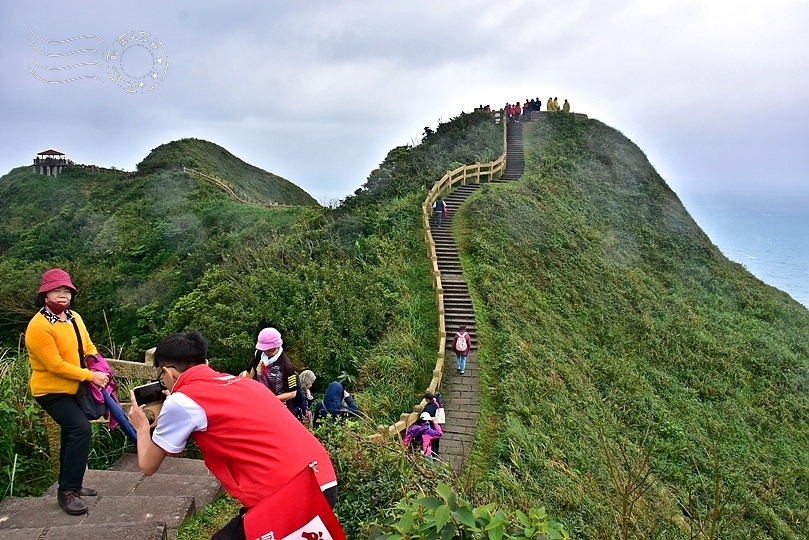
[(715, 92)]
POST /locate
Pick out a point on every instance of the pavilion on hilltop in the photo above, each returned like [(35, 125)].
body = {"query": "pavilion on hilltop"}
[(51, 162)]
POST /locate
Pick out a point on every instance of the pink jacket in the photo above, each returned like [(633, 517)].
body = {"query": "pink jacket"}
[(96, 362), (427, 434)]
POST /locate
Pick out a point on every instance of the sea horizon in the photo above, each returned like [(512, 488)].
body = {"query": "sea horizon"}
[(765, 234)]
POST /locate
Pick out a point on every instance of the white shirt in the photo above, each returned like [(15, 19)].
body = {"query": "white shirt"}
[(178, 419)]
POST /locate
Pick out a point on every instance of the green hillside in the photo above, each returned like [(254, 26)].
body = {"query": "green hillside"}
[(349, 288), (636, 381), (258, 185), (134, 243)]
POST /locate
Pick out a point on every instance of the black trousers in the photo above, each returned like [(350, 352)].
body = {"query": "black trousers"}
[(234, 530), (76, 435)]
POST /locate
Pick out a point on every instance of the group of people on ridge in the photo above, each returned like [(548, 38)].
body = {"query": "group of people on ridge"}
[(515, 112), (553, 106)]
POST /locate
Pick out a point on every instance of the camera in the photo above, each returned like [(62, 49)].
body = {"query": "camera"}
[(149, 393)]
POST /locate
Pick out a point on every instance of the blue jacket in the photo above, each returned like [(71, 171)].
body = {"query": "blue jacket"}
[(333, 403)]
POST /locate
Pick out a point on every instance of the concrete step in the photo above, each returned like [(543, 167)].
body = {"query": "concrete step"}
[(43, 514), (456, 310), (451, 294), (149, 530), (455, 287), (132, 506)]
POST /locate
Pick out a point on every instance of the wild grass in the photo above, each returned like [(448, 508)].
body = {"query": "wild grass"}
[(611, 327), (24, 460)]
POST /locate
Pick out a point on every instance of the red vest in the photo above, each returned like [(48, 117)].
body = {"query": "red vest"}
[(252, 444)]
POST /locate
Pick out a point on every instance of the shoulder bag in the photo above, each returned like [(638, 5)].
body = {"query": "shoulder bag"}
[(92, 409)]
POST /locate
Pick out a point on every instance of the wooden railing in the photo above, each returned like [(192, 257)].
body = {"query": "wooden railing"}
[(466, 174), (221, 184), (230, 190)]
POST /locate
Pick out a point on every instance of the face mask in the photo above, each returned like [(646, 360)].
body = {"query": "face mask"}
[(54, 307), (267, 360)]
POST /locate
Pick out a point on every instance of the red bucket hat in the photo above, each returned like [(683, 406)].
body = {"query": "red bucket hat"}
[(55, 278)]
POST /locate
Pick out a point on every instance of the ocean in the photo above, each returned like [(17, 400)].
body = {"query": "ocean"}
[(767, 235)]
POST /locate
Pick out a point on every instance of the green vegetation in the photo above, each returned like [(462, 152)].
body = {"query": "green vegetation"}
[(451, 517), (211, 159), (349, 288), (132, 243), (637, 382), (24, 462)]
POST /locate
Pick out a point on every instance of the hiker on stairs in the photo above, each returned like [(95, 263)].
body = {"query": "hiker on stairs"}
[(461, 344), (439, 211)]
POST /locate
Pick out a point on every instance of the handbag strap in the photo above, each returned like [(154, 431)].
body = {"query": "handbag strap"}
[(81, 346)]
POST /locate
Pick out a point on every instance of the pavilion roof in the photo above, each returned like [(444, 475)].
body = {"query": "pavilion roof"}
[(51, 152)]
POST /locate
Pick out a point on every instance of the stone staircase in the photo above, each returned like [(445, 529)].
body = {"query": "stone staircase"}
[(461, 393), (515, 157), (129, 505)]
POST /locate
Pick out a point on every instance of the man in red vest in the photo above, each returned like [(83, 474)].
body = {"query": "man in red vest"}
[(249, 440)]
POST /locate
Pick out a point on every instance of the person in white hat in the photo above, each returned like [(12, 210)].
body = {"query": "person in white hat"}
[(420, 434)]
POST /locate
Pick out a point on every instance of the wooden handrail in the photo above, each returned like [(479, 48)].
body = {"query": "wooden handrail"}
[(463, 175)]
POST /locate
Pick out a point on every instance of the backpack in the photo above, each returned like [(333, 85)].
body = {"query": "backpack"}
[(460, 343), (440, 413)]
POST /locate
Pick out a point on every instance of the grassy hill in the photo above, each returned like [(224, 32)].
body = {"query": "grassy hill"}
[(257, 184), (161, 251), (637, 382), (134, 243)]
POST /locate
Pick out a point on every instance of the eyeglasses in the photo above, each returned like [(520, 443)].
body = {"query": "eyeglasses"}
[(160, 375)]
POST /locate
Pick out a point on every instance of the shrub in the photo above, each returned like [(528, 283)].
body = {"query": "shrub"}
[(450, 517)]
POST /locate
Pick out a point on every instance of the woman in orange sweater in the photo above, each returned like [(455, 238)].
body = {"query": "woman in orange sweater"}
[(53, 351)]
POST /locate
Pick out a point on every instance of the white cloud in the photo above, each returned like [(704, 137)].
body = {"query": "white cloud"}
[(318, 92)]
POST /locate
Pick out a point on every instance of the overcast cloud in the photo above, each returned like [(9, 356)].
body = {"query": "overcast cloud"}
[(714, 92)]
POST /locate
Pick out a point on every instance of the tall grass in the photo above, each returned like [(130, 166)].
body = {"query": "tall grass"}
[(616, 340), (24, 461)]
